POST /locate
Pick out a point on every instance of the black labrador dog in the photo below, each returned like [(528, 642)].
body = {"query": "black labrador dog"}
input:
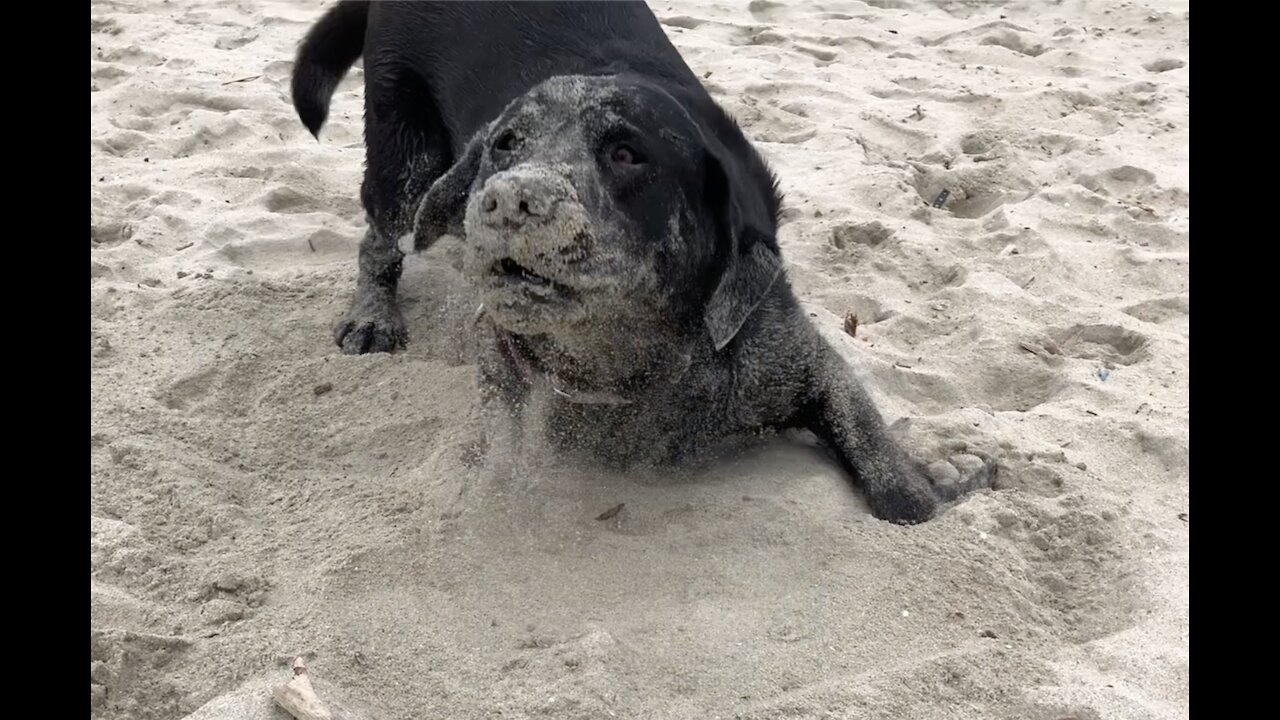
[(618, 226)]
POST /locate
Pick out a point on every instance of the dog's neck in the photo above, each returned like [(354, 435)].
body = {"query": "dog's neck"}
[(598, 367)]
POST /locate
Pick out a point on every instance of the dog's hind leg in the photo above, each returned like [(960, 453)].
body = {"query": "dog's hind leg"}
[(407, 149)]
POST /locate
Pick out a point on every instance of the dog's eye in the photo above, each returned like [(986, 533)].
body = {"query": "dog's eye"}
[(625, 155), (507, 141)]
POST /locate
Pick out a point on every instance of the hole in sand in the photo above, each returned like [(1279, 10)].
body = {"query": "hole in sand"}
[(1163, 65), (1101, 342)]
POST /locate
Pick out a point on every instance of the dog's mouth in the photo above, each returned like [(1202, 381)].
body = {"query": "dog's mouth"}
[(509, 269), (512, 273)]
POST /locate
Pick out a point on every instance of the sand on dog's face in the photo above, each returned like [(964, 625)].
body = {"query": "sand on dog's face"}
[(609, 245), (256, 495)]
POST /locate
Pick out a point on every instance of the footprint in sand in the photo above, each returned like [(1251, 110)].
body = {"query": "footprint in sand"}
[(287, 200), (973, 191), (1016, 380), (110, 232), (767, 123), (1163, 65), (981, 31), (190, 390), (106, 75), (870, 234), (236, 41), (1118, 181), (130, 55), (214, 130), (1134, 192), (1160, 310), (1011, 40), (887, 142), (1169, 450), (105, 25), (766, 10), (225, 390), (1137, 98), (978, 144), (682, 21), (823, 57), (1106, 343), (1052, 144), (127, 143)]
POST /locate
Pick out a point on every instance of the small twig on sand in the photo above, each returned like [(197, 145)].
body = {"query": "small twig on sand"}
[(243, 79), (851, 324), (611, 512), (299, 699)]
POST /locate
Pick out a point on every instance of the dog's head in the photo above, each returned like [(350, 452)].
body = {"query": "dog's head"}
[(602, 201)]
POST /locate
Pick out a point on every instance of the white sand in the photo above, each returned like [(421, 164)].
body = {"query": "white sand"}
[(239, 518)]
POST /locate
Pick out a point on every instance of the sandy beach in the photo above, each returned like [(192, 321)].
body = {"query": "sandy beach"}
[(258, 496)]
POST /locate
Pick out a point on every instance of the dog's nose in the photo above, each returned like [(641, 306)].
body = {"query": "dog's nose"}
[(517, 200)]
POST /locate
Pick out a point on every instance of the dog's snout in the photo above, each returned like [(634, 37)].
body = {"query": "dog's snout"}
[(519, 200)]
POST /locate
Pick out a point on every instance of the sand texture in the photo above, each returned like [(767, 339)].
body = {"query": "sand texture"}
[(257, 496)]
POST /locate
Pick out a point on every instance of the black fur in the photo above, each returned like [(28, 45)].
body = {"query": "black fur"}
[(658, 283)]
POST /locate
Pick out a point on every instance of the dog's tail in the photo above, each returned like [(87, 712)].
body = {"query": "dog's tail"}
[(332, 46)]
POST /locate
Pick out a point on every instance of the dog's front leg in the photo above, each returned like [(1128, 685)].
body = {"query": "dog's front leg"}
[(374, 323), (842, 414)]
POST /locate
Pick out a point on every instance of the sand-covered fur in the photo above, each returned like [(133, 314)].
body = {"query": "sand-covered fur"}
[(257, 496), (619, 228)]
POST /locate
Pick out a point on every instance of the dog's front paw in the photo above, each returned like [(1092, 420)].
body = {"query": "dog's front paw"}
[(358, 334), (907, 502)]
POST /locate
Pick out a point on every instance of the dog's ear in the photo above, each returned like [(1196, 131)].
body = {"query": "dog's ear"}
[(444, 205), (751, 260)]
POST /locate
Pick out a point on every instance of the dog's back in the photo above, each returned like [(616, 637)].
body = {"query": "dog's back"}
[(467, 60), (475, 57)]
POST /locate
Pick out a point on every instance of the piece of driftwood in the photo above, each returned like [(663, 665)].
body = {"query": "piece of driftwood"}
[(299, 699)]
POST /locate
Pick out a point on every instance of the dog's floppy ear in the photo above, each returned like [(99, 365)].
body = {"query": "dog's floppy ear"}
[(751, 259), (445, 203)]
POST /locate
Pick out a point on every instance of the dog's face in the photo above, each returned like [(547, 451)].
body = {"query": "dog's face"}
[(579, 206), (597, 201)]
